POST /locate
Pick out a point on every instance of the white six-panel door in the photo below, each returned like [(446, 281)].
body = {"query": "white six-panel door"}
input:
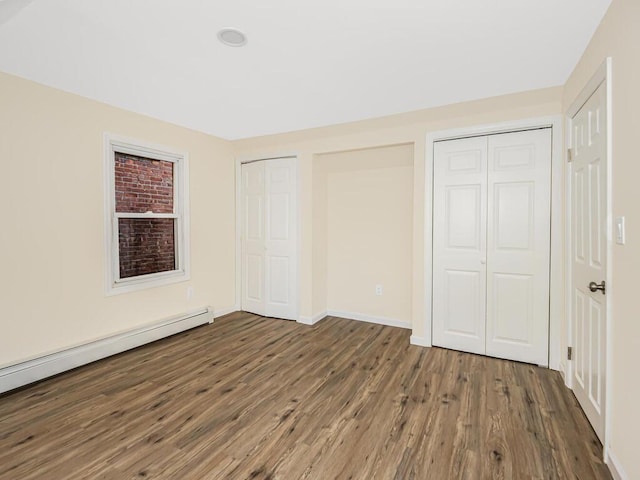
[(253, 238), (518, 245), (588, 256), (491, 244), (269, 230), (459, 244)]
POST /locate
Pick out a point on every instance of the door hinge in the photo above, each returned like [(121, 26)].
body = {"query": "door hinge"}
[(569, 353), (569, 155)]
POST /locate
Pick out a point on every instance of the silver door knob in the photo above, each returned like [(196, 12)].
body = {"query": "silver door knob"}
[(594, 287)]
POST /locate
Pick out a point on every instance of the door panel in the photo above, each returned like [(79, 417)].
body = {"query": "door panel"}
[(459, 244), (580, 315), (254, 216), (278, 216), (589, 232), (254, 276), (253, 238), (512, 304), (279, 274), (596, 316), (280, 242), (463, 216), (269, 253), (463, 318), (518, 244), (595, 242), (514, 223)]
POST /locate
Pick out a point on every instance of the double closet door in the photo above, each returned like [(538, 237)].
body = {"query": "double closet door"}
[(269, 235), (491, 245)]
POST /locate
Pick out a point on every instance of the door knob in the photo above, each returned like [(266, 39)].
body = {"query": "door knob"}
[(594, 287)]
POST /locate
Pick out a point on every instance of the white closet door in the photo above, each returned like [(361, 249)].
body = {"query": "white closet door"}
[(518, 238), (459, 244), (280, 238), (269, 231), (253, 238)]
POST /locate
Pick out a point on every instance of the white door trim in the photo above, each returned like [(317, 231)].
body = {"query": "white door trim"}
[(557, 290), (238, 206), (602, 75)]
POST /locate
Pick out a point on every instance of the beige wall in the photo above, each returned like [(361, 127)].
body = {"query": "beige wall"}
[(619, 37), (52, 236), (368, 223), (409, 128), (320, 227), (52, 291)]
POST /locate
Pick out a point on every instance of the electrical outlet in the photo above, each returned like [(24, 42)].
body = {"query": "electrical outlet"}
[(189, 293), (378, 290)]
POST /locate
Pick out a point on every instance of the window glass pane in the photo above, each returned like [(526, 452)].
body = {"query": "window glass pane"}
[(147, 245), (143, 184)]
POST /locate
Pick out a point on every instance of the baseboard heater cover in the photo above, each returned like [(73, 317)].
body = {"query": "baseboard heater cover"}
[(30, 371)]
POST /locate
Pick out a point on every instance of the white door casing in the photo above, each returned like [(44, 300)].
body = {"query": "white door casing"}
[(518, 236), (459, 244), (491, 244), (588, 171), (269, 238)]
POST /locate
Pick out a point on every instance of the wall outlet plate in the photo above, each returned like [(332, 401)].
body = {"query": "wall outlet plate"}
[(620, 231)]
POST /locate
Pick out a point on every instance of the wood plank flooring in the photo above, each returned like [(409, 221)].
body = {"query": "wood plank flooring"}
[(256, 398)]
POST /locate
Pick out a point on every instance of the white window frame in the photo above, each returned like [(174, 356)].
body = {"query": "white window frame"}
[(114, 284)]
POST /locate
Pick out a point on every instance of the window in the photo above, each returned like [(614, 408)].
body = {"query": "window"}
[(147, 221)]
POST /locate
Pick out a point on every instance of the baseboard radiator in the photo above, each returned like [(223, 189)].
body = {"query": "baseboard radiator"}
[(30, 371)]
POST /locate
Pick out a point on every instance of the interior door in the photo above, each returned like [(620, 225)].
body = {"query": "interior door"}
[(459, 244), (491, 244), (588, 256), (518, 239), (280, 238), (269, 235), (253, 238)]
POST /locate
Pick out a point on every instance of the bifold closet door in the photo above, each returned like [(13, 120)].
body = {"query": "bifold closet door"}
[(491, 243), (268, 232), (518, 245), (459, 244)]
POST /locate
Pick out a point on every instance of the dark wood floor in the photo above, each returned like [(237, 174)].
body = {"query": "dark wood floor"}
[(249, 397)]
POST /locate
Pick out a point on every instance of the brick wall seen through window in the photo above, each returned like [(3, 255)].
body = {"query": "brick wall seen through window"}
[(146, 245)]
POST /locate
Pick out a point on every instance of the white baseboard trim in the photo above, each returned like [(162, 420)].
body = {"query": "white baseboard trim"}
[(617, 472), (562, 368), (311, 320), (419, 341), (224, 311), (30, 371), (390, 322)]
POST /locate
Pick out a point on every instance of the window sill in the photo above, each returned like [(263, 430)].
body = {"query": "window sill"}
[(136, 284)]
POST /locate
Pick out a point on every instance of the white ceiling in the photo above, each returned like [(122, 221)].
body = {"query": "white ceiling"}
[(306, 64)]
